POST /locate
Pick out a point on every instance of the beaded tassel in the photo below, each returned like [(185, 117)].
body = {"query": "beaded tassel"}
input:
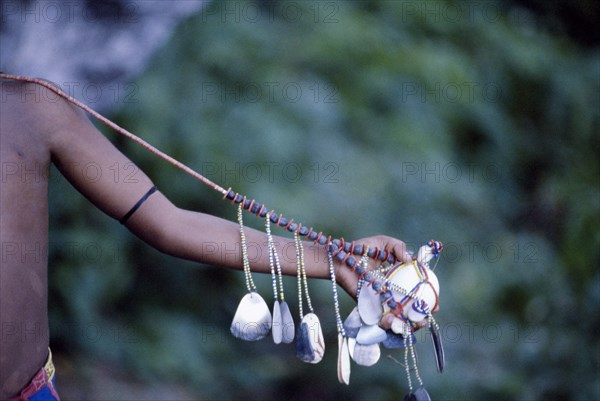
[(273, 260), (283, 323), (301, 273), (252, 320), (310, 343), (245, 260), (338, 318), (343, 351)]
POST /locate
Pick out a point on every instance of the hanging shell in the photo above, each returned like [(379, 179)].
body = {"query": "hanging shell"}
[(252, 319), (343, 360), (310, 343), (288, 329), (409, 397), (277, 329), (438, 348), (370, 335), (369, 305), (366, 355), (421, 394)]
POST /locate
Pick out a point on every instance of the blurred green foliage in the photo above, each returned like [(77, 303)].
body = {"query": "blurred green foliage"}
[(478, 128)]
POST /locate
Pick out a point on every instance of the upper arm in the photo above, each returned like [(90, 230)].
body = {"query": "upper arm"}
[(93, 165)]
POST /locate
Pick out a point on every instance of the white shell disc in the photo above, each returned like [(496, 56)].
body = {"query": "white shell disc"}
[(343, 360), (369, 305), (366, 355), (252, 319), (288, 328), (370, 335), (277, 329)]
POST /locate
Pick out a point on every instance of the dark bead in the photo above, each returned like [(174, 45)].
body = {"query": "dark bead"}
[(350, 262), (312, 236), (392, 304), (303, 231), (377, 286), (347, 246), (381, 255), (368, 277), (246, 203), (322, 240), (283, 222), (359, 270), (263, 213), (371, 253), (332, 247), (340, 256), (255, 208), (391, 259), (292, 227), (230, 195), (337, 242), (239, 198), (273, 218), (358, 249)]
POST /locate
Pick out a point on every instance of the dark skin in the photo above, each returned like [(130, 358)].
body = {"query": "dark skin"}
[(37, 129)]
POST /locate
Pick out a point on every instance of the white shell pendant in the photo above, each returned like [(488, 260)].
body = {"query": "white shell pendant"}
[(366, 355), (368, 335), (288, 329), (252, 319), (343, 360), (277, 329), (310, 344), (369, 305)]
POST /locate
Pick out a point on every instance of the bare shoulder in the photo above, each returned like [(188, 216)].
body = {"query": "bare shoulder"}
[(36, 108)]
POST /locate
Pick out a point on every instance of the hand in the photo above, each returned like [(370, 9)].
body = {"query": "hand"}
[(349, 280)]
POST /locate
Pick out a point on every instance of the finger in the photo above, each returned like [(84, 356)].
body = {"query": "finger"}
[(399, 249)]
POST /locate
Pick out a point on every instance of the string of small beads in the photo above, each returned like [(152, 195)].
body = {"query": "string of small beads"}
[(336, 304), (245, 260), (302, 275), (274, 261)]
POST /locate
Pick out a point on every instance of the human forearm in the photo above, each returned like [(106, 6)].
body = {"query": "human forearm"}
[(208, 239)]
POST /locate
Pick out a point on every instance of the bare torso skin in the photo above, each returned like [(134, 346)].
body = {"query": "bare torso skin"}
[(37, 129)]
